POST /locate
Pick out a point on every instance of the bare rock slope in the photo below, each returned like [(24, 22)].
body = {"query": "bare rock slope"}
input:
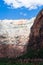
[(13, 37), (35, 40), (36, 34)]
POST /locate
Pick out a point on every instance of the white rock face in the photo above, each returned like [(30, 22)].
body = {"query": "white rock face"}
[(15, 31)]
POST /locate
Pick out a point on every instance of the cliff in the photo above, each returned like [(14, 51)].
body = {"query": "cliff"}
[(14, 37), (36, 33), (12, 46)]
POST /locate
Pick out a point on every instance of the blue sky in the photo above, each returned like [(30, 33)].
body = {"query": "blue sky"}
[(18, 9)]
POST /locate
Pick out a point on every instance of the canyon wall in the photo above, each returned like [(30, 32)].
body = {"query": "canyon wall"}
[(14, 35)]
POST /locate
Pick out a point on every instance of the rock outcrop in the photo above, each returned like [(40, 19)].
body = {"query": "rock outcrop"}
[(36, 33), (35, 40), (10, 51), (13, 37)]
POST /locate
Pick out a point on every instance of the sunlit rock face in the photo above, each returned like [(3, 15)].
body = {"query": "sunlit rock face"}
[(14, 35), (36, 33), (13, 31)]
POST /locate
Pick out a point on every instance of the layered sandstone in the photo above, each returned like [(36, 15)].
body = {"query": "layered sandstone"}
[(14, 37)]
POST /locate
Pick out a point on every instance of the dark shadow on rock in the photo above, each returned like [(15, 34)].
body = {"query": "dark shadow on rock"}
[(36, 34)]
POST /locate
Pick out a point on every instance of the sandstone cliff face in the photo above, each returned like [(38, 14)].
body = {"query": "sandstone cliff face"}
[(13, 37), (10, 50), (36, 34)]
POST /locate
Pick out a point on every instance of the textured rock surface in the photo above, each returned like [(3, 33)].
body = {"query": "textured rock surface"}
[(36, 34), (35, 40), (13, 37), (11, 51)]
